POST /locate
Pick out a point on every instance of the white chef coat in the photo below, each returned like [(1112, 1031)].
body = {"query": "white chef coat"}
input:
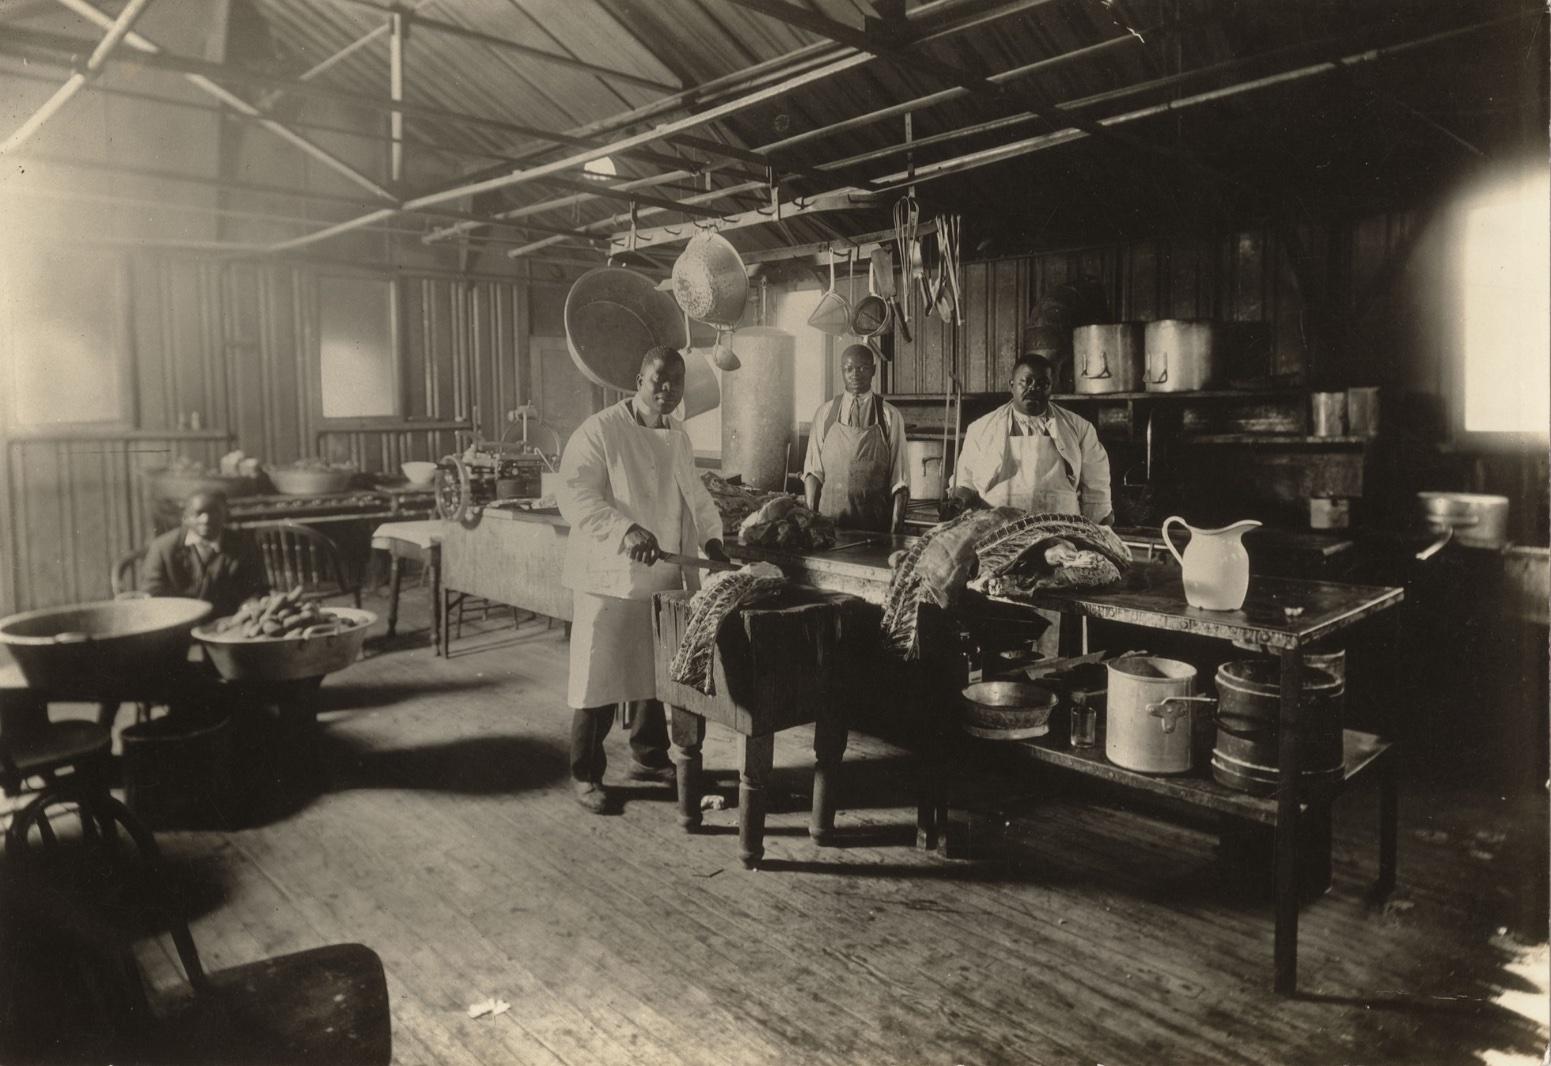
[(616, 473), (987, 461)]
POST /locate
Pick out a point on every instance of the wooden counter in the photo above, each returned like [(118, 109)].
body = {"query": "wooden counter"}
[(509, 556)]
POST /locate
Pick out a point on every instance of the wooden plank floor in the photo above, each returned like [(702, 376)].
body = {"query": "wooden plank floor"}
[(441, 832)]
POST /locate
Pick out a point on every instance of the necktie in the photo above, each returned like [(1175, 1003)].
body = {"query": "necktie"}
[(848, 416)]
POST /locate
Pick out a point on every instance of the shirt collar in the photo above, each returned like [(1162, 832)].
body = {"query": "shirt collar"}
[(641, 419), (1043, 423), (858, 398), (194, 540)]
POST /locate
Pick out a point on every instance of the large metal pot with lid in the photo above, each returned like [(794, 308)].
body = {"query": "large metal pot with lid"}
[(1476, 520), (1181, 354), (1107, 357)]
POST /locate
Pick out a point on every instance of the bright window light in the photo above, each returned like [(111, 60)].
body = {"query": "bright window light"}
[(1507, 309), (600, 168)]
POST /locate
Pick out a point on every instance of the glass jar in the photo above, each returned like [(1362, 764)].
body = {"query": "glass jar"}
[(1084, 725)]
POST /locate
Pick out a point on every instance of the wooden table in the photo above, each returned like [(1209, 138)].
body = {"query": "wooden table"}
[(1284, 616), (421, 541), (772, 668), (509, 556)]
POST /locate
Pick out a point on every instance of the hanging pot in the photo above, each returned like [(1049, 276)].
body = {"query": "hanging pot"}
[(1108, 358), (1474, 519), (612, 316), (1181, 355), (709, 280)]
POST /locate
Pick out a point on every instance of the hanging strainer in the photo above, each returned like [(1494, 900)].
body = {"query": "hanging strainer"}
[(833, 313)]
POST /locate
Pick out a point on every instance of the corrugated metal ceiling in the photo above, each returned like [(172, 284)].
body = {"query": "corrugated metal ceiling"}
[(678, 44)]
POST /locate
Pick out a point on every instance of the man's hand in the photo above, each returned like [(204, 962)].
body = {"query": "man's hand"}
[(959, 501), (715, 552), (641, 545)]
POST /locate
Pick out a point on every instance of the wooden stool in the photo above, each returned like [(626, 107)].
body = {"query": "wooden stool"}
[(420, 541), (794, 678)]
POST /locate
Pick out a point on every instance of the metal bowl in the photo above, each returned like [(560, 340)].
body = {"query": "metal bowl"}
[(86, 645), (314, 652), (1006, 710), (419, 472), (301, 481)]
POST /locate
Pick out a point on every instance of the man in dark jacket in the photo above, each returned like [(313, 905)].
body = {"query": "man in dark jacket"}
[(203, 560)]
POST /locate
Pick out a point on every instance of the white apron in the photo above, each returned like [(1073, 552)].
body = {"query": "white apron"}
[(856, 491), (1039, 482), (612, 658)]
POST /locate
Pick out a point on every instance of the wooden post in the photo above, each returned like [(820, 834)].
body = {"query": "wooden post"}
[(829, 745), (757, 757), (1286, 953), (687, 733)]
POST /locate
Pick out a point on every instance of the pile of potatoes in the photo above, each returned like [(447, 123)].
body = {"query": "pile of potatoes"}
[(278, 614)]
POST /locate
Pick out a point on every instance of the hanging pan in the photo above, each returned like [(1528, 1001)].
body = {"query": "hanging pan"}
[(870, 316), (612, 316), (711, 284)]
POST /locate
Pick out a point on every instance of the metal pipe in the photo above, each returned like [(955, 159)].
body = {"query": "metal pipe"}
[(121, 26), (454, 30), (396, 92), (585, 156), (140, 43), (948, 167)]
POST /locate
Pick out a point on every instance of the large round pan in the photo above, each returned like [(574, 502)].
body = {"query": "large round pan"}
[(612, 316)]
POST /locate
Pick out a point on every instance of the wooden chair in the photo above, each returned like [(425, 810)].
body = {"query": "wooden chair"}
[(126, 572), (31, 746), (295, 554), (326, 1005)]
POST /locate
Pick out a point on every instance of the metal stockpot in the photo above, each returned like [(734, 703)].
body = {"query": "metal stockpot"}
[(1108, 358), (1181, 354), (1476, 520), (1148, 696)]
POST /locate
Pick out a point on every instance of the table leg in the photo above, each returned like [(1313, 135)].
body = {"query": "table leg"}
[(758, 756), (1286, 954), (395, 581), (1389, 817), (686, 734), (438, 603), (829, 746)]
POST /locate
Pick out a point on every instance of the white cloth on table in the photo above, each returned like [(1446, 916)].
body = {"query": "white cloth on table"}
[(422, 534)]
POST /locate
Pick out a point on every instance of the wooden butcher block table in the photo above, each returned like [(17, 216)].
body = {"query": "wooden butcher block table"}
[(776, 666)]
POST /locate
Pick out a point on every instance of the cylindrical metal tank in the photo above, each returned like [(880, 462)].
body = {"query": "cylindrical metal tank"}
[(757, 404)]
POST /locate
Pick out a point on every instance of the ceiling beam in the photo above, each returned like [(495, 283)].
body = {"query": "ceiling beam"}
[(948, 167), (451, 29), (519, 177), (230, 99), (837, 200), (120, 27)]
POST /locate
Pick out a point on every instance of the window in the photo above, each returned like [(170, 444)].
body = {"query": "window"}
[(1507, 308), (357, 348), (65, 316)]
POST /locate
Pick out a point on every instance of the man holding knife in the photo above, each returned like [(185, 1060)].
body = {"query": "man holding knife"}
[(629, 492)]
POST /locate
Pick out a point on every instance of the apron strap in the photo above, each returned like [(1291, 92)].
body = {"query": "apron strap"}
[(833, 418)]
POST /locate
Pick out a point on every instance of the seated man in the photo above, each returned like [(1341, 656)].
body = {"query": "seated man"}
[(203, 560)]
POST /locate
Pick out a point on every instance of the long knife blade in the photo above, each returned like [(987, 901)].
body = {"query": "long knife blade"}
[(695, 561)]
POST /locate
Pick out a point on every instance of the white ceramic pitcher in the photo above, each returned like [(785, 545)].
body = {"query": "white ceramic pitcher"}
[(1215, 564)]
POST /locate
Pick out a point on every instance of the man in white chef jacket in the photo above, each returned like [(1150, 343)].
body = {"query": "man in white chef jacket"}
[(1033, 454), (629, 491), (855, 467)]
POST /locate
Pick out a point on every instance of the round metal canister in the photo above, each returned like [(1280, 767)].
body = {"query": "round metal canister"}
[(1249, 695), (1108, 358), (757, 408), (1327, 414)]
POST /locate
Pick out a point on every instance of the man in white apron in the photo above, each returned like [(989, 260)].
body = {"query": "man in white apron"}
[(629, 492), (1032, 454), (855, 466)]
